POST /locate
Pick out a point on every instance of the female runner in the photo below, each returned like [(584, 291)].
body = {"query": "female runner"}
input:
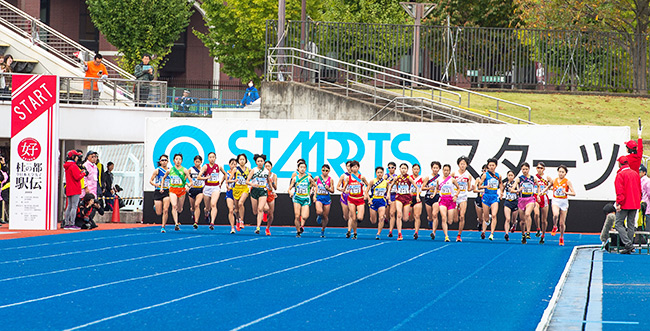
[(510, 206), (393, 195), (270, 198), (258, 181), (562, 188), (230, 198), (240, 191), (212, 189), (478, 202), (161, 192), (465, 183), (491, 182), (542, 183), (179, 178), (376, 194), (301, 201), (448, 194), (403, 198), (353, 184), (526, 204), (196, 192), (321, 192), (432, 198), (416, 201), (344, 195)]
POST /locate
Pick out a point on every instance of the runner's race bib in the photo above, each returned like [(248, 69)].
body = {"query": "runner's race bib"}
[(402, 189), (355, 189)]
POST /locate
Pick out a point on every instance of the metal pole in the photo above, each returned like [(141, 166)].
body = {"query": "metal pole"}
[(281, 21), (303, 28), (416, 41)]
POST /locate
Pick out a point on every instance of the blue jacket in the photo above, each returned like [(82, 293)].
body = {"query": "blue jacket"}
[(250, 96)]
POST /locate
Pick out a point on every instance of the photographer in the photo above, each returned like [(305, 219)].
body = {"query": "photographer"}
[(94, 69), (73, 176), (86, 212), (185, 102)]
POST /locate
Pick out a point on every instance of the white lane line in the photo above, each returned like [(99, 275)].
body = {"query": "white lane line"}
[(443, 294), (73, 241), (126, 260), (96, 250), (220, 287), (335, 289), (151, 275)]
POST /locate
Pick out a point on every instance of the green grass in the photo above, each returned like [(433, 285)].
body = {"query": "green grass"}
[(566, 109)]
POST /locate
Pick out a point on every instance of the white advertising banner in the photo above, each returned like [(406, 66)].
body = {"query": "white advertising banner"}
[(590, 152), (34, 152)]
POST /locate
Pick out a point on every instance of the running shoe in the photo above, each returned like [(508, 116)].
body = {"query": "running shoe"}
[(177, 227), (491, 237), (257, 230), (433, 236), (162, 230), (242, 225), (265, 217), (539, 232), (211, 226), (322, 233), (446, 239), (527, 235), (238, 226), (354, 237), (523, 239), (458, 239), (347, 235), (297, 234), (268, 231), (195, 226), (507, 237), (415, 236), (513, 228), (232, 231), (561, 241), (399, 237), (302, 229), (319, 219), (554, 231), (605, 245), (541, 240), (390, 234), (377, 237), (482, 235)]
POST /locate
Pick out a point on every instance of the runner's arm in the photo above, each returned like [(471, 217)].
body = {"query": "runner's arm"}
[(571, 192), (153, 176)]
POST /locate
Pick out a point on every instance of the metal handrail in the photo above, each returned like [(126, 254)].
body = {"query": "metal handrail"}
[(519, 120), (33, 35), (428, 109), (469, 92), (450, 116), (290, 54)]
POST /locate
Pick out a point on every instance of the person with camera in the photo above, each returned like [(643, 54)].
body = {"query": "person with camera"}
[(185, 102), (73, 176), (94, 69), (143, 73), (86, 212)]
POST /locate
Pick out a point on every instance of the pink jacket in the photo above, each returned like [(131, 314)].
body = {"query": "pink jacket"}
[(645, 192), (91, 179)]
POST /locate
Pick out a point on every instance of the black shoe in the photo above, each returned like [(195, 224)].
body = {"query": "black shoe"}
[(177, 227), (539, 233), (347, 235), (302, 229), (257, 231), (507, 237), (433, 236), (390, 235), (211, 226), (354, 236), (625, 251), (415, 236), (527, 235), (482, 235), (196, 226), (541, 240), (297, 234), (607, 247), (523, 239)]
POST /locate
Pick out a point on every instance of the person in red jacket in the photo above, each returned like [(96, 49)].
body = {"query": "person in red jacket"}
[(73, 177), (635, 150), (628, 200)]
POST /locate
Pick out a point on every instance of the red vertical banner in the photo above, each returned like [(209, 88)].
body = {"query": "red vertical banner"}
[(34, 152)]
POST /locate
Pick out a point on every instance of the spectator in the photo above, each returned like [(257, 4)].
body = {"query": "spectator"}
[(143, 72), (108, 186), (628, 200), (635, 148), (86, 212), (5, 68), (645, 190), (4, 191), (251, 94), (94, 69), (185, 102), (91, 178), (73, 177), (610, 217), (100, 182)]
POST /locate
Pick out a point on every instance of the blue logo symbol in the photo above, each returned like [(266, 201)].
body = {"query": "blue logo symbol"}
[(187, 140)]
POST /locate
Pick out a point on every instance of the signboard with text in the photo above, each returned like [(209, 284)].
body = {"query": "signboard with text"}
[(34, 152)]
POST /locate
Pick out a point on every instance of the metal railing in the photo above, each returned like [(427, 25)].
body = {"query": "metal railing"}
[(430, 83), (200, 102), (454, 114), (285, 63), (482, 57), (106, 92), (51, 40)]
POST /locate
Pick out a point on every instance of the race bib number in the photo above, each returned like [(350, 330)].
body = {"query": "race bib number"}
[(402, 189), (414, 188), (380, 192), (176, 181), (462, 186), (493, 183), (445, 190), (241, 180), (511, 196), (301, 190), (355, 189), (560, 193), (261, 182), (199, 183), (322, 190), (527, 188), (214, 177)]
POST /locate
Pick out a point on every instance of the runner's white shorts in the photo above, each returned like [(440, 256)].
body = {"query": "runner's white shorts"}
[(562, 203), (208, 190)]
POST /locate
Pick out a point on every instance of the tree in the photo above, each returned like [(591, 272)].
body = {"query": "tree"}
[(236, 31), (477, 13), (138, 27), (629, 18)]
